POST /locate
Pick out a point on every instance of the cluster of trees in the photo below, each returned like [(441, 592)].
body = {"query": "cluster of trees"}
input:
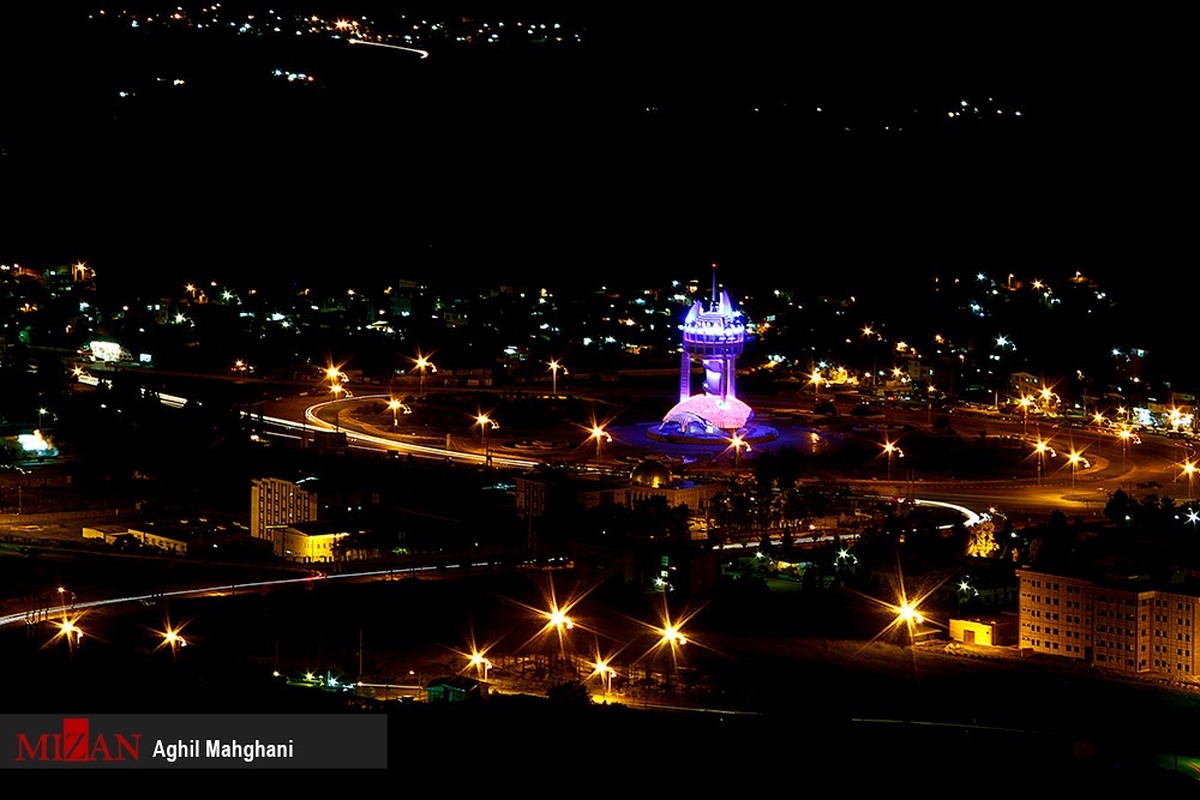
[(1152, 513)]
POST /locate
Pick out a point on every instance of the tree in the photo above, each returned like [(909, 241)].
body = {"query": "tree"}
[(1118, 507), (982, 540), (655, 517)]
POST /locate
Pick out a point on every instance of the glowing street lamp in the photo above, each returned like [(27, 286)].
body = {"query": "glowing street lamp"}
[(555, 366), (1075, 458), (738, 444), (1041, 447), (905, 612), (891, 450), (600, 435), (1189, 469), (1025, 402), (815, 379), (394, 406), (481, 664), (556, 620), (62, 598), (485, 424), (69, 631), (559, 620), (422, 363), (908, 614), (172, 637), (671, 638), (601, 667), (1125, 436)]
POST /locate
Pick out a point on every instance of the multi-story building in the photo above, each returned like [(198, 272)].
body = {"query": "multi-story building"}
[(277, 502), (1128, 623)]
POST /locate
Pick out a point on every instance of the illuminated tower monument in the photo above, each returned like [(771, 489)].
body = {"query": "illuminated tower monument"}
[(714, 336)]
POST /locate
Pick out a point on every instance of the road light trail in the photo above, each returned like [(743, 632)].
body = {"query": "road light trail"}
[(386, 443), (236, 588), (970, 517), (421, 53)]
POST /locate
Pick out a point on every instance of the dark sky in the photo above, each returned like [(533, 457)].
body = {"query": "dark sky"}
[(547, 167)]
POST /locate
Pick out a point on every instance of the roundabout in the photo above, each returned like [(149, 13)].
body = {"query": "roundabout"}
[(979, 461)]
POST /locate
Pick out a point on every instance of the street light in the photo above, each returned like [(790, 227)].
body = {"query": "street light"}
[(481, 664), (1041, 448), (555, 366), (1189, 469), (1125, 435), (68, 630), (485, 424), (738, 444), (606, 672), (600, 435), (422, 363), (1047, 397), (337, 381), (62, 598), (172, 638), (1025, 402), (394, 406), (891, 450), (673, 640), (1075, 458)]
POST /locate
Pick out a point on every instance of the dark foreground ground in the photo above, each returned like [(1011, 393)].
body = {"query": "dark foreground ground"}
[(781, 694)]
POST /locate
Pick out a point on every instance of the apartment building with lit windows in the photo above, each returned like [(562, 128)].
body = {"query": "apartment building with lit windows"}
[(1127, 623), (277, 502)]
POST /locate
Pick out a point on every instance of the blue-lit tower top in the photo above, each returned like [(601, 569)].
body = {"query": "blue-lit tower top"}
[(715, 336)]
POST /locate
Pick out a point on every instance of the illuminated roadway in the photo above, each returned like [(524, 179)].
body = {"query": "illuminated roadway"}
[(1154, 464), (313, 420), (421, 53), (223, 589)]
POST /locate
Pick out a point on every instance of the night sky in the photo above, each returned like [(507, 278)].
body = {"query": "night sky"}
[(664, 143)]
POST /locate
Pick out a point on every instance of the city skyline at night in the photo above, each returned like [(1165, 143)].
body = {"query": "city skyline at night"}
[(721, 390)]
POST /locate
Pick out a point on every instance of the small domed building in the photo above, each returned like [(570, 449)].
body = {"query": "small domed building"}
[(653, 478)]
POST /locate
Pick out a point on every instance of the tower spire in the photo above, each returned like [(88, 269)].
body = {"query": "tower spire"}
[(714, 284)]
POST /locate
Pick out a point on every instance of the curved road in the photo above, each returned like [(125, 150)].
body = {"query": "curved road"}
[(1153, 463)]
